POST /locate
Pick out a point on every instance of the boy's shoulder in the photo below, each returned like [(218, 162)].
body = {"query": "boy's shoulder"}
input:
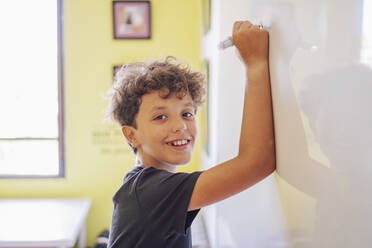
[(150, 175), (150, 184)]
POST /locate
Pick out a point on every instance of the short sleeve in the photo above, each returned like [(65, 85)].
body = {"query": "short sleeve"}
[(165, 198)]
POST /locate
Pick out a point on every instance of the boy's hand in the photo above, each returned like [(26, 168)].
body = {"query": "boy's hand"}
[(251, 41)]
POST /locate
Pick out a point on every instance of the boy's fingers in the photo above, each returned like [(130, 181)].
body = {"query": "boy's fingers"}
[(237, 25), (250, 41), (240, 24)]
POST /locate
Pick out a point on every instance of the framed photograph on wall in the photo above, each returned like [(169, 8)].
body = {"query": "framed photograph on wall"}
[(132, 19)]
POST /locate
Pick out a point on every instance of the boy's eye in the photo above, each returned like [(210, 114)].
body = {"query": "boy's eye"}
[(160, 117), (188, 114)]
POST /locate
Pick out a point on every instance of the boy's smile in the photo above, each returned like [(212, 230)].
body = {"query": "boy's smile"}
[(166, 131)]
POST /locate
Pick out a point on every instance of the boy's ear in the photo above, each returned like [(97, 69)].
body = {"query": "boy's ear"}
[(130, 134)]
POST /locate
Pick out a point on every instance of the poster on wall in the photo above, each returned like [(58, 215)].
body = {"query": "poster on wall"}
[(132, 19)]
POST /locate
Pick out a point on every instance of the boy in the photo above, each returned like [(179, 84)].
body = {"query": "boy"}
[(155, 103)]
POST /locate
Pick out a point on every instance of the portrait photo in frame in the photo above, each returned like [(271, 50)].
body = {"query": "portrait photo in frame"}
[(132, 19)]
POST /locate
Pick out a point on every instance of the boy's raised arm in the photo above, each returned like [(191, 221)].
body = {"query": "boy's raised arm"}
[(256, 157)]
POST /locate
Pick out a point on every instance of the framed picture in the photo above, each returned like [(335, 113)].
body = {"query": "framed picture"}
[(132, 19)]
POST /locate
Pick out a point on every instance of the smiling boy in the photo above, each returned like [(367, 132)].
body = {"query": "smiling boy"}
[(155, 103), (166, 128)]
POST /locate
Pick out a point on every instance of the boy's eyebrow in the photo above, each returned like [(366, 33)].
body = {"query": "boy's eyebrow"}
[(164, 107)]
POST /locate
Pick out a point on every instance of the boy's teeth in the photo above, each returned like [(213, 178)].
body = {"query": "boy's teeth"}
[(179, 142)]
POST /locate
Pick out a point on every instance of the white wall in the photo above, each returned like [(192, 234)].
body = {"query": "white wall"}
[(321, 76)]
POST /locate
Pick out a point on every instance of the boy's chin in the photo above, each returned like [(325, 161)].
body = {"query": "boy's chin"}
[(180, 162)]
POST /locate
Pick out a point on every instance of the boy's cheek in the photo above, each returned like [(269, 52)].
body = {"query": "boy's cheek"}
[(195, 128)]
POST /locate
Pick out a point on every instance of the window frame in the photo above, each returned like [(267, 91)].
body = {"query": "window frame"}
[(60, 82)]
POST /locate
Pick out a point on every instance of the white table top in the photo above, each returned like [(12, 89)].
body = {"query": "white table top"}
[(42, 222)]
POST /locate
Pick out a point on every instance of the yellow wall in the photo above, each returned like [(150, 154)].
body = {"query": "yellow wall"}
[(97, 158)]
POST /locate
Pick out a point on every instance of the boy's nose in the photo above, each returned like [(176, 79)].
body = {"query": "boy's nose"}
[(178, 125)]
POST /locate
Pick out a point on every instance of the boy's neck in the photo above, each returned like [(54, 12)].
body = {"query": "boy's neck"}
[(169, 168)]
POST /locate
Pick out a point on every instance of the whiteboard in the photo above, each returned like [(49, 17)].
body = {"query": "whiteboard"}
[(321, 77)]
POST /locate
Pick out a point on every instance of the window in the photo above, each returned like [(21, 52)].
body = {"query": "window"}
[(31, 89), (366, 49)]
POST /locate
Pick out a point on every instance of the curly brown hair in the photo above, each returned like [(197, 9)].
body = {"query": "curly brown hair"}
[(134, 80)]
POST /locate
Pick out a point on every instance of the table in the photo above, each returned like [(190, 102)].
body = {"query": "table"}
[(50, 222)]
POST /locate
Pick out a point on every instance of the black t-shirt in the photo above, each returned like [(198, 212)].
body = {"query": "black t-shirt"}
[(150, 210)]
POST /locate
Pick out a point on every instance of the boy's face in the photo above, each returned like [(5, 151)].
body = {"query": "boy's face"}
[(166, 131)]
